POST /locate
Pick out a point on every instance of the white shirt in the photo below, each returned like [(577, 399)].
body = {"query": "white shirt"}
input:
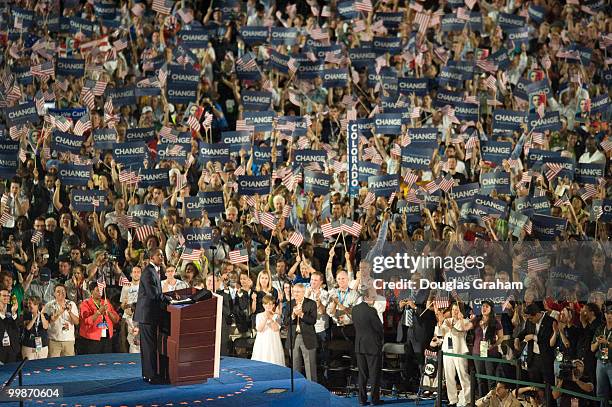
[(596, 158), (348, 298), (178, 285), (129, 294), (457, 335), (322, 319), (55, 331)]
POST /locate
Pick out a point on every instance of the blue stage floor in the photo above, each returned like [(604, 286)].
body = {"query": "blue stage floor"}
[(114, 380)]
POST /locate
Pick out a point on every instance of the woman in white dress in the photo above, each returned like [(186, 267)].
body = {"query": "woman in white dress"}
[(268, 346)]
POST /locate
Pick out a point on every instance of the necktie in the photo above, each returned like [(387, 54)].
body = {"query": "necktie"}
[(409, 321)]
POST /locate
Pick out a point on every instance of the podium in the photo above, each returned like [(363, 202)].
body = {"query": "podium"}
[(194, 340)]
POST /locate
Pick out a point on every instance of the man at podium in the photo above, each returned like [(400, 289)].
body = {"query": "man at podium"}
[(149, 305)]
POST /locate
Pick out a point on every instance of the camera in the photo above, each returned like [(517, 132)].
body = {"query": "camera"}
[(566, 370), (112, 258)]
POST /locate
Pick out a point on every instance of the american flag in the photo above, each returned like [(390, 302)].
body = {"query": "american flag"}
[(296, 239), (432, 186), (538, 138), (415, 113), (294, 98), (290, 181), (442, 54), (191, 254), (40, 103), (238, 256), (446, 183), (442, 300), (82, 125), (247, 63), (363, 5), (241, 125), (568, 54), (44, 69), (5, 218), (163, 6), (186, 15), (36, 237), (162, 75), (422, 19), (303, 142), (193, 123), (463, 14), (268, 220), (358, 26), (88, 98), (562, 201), (369, 199), (123, 281), (101, 285), (208, 118), (470, 3), (126, 221), (507, 303), (239, 171), (410, 178), (538, 264), (144, 231), (351, 227), (128, 177), (528, 226), (331, 229), (487, 66), (606, 145), (292, 65), (332, 58), (286, 211), (491, 82), (326, 12), (120, 44), (587, 192), (553, 170), (318, 34), (471, 99), (396, 150)]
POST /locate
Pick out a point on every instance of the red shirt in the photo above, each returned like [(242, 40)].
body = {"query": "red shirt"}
[(88, 327)]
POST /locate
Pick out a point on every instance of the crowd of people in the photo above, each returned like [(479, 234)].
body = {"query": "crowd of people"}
[(269, 150)]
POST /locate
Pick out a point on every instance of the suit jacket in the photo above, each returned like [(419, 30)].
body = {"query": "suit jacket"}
[(307, 323), (544, 334), (150, 297), (369, 331), (227, 311)]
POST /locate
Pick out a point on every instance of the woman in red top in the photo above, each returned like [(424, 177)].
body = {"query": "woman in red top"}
[(97, 317)]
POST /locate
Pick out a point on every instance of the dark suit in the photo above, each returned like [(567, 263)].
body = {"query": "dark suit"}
[(304, 342), (228, 319), (369, 338), (147, 314), (540, 366)]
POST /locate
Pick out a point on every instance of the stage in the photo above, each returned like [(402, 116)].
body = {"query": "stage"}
[(114, 380)]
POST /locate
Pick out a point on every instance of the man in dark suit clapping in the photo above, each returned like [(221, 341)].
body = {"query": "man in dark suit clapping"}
[(303, 336), (369, 337), (148, 311)]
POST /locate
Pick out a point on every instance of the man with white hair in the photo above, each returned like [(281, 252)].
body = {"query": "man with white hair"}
[(341, 301), (303, 338)]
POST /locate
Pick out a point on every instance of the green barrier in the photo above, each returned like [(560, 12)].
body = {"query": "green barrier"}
[(541, 386), (511, 381), (487, 359)]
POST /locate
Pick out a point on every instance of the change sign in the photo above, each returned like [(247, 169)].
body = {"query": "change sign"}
[(316, 182)]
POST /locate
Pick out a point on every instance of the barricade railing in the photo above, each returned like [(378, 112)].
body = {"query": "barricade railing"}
[(548, 388)]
